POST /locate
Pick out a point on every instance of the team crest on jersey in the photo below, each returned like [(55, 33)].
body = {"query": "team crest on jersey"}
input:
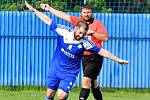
[(79, 46), (69, 47)]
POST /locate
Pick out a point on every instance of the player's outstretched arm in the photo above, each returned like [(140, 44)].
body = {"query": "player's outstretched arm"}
[(109, 55), (57, 13), (42, 16)]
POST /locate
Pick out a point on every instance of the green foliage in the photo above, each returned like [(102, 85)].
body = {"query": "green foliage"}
[(11, 6), (19, 5), (99, 6), (104, 6)]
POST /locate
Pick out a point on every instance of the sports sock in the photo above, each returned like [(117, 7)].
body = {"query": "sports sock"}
[(97, 93), (84, 94)]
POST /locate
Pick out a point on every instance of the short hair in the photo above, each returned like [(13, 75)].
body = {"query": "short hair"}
[(83, 24), (87, 6)]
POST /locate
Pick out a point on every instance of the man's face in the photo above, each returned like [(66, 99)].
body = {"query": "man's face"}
[(86, 14), (79, 33)]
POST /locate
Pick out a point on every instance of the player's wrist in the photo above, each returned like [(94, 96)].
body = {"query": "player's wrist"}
[(47, 7), (33, 10), (117, 60)]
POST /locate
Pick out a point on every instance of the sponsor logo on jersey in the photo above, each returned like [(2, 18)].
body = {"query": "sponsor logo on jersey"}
[(79, 46), (69, 47), (67, 53)]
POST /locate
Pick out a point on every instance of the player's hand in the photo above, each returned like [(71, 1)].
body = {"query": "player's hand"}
[(90, 32), (29, 6), (121, 61), (44, 6)]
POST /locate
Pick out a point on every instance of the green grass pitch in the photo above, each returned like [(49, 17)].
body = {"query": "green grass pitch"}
[(40, 94)]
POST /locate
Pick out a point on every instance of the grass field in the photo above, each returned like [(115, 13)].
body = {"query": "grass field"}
[(39, 95)]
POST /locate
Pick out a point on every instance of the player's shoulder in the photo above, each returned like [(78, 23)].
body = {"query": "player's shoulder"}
[(87, 39), (64, 27), (97, 21), (76, 17)]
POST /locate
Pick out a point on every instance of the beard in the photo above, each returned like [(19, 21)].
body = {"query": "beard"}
[(87, 18), (76, 37)]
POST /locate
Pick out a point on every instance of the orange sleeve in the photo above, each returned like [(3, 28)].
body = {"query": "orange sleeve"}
[(74, 20), (101, 28)]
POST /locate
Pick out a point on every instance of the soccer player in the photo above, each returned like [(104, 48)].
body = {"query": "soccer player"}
[(97, 34), (65, 64)]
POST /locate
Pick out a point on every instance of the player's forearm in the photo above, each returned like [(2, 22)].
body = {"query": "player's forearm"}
[(102, 37), (108, 55), (59, 14), (42, 16)]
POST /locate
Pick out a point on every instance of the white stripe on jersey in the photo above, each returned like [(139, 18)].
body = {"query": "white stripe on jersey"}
[(88, 43), (68, 37), (67, 33), (63, 30)]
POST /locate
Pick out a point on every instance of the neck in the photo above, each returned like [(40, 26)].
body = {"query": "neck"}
[(89, 21)]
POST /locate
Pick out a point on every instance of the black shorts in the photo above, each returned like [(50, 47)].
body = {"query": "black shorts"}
[(92, 65)]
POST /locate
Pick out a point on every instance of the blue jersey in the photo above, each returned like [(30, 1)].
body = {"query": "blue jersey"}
[(68, 53)]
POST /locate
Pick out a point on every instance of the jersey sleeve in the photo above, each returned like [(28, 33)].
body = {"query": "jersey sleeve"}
[(60, 29), (100, 28), (74, 20), (90, 46), (53, 26)]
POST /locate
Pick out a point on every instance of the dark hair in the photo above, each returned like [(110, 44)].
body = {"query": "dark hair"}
[(87, 6), (83, 24)]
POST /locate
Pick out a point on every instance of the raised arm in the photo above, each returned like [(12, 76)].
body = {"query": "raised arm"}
[(57, 13), (42, 16), (89, 45), (109, 55)]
